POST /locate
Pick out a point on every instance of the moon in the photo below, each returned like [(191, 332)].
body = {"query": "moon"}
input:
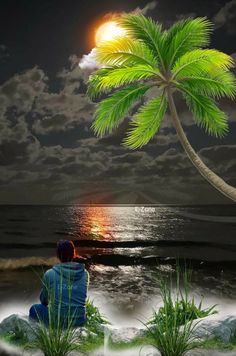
[(108, 31)]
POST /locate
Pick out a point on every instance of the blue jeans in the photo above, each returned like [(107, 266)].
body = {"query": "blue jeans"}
[(39, 312)]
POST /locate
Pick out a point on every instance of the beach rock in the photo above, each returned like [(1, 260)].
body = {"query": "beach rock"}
[(23, 328), (122, 334), (19, 325), (216, 326), (83, 332)]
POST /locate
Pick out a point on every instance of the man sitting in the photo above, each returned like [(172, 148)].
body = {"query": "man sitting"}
[(64, 291)]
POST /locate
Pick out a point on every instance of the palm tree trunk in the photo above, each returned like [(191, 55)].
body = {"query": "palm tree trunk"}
[(211, 177)]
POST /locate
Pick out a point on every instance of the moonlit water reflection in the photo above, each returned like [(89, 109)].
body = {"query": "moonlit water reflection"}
[(118, 223)]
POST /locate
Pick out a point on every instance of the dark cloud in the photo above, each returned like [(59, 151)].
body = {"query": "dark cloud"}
[(222, 159), (21, 90), (67, 108), (227, 17), (149, 7)]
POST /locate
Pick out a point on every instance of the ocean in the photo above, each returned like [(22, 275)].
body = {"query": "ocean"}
[(128, 247)]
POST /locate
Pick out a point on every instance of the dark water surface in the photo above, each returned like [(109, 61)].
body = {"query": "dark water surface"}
[(33, 230)]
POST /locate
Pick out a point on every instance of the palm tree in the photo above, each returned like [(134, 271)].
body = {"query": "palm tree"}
[(173, 61)]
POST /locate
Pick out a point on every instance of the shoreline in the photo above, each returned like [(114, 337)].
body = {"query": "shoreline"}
[(120, 260)]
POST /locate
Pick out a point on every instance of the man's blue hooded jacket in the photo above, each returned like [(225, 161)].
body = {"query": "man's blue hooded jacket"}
[(65, 290)]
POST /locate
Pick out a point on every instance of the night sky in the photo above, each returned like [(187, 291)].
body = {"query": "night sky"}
[(49, 154)]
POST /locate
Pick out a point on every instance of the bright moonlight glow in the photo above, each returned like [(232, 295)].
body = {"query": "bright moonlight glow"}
[(108, 31)]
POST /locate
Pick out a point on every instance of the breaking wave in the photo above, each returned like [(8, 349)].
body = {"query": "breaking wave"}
[(26, 262)]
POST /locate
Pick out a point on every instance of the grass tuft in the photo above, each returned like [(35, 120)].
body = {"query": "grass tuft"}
[(94, 319), (171, 328)]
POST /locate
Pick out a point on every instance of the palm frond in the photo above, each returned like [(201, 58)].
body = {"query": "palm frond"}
[(148, 31), (146, 122), (125, 52), (205, 112), (118, 77), (223, 84), (186, 35), (199, 61), (112, 110), (93, 84)]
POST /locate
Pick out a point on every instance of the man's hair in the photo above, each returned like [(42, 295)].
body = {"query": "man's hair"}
[(65, 250)]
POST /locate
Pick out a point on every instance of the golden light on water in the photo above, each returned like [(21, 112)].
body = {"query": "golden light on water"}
[(108, 31), (95, 222)]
